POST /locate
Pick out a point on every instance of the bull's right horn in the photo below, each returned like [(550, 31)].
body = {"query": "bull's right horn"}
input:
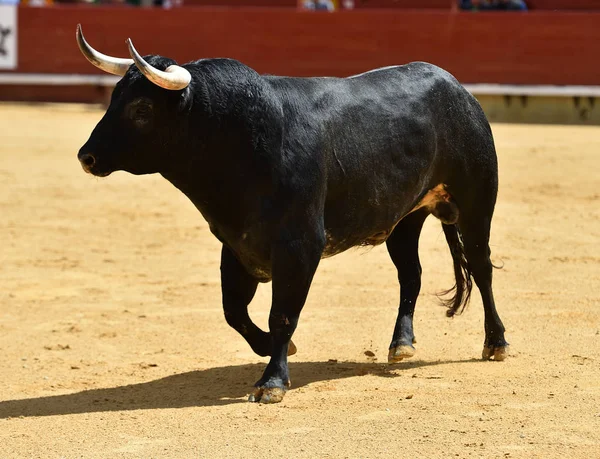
[(174, 77), (114, 65)]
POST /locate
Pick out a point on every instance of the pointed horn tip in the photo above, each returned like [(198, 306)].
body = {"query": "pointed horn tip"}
[(132, 50)]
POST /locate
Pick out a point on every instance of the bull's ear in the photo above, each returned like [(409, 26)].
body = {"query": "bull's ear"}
[(186, 100)]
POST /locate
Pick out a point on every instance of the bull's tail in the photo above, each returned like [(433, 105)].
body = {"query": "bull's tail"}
[(461, 292)]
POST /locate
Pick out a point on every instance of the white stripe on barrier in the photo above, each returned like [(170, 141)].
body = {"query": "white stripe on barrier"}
[(532, 90), (49, 79), (476, 89)]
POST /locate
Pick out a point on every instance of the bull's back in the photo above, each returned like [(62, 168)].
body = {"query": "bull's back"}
[(384, 138)]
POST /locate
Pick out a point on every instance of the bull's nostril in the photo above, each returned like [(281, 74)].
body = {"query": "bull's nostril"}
[(88, 160)]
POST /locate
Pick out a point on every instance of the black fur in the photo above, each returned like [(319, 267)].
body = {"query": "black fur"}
[(289, 170)]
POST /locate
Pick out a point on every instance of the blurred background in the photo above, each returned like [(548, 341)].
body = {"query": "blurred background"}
[(531, 61)]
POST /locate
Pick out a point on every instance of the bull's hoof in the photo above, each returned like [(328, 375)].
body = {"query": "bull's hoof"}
[(497, 353), (399, 353), (292, 349), (267, 395)]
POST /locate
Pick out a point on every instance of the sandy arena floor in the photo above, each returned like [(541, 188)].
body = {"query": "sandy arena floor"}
[(113, 341)]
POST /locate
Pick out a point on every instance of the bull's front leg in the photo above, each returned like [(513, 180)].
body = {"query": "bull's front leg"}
[(238, 288), (295, 257)]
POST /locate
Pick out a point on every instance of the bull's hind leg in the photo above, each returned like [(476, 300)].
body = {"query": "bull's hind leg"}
[(238, 289), (403, 247), (475, 229)]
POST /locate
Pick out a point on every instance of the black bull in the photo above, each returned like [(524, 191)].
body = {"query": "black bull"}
[(287, 171)]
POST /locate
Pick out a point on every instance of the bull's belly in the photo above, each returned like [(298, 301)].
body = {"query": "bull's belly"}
[(436, 201), (371, 228), (336, 243)]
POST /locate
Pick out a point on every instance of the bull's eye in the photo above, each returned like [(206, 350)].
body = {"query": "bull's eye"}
[(139, 111), (142, 112)]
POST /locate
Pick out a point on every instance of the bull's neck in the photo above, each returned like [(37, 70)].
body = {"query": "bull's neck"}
[(217, 189), (219, 166)]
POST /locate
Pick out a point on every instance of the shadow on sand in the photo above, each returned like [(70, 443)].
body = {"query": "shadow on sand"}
[(210, 387)]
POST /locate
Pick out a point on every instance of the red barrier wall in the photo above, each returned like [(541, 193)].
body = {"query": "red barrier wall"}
[(414, 4), (517, 48), (242, 3), (563, 4)]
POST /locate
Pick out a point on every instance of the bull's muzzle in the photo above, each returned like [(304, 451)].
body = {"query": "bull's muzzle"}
[(87, 161), (89, 164)]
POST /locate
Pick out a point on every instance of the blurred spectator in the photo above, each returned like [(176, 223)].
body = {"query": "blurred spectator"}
[(518, 5), (147, 3), (36, 2), (488, 5), (318, 5)]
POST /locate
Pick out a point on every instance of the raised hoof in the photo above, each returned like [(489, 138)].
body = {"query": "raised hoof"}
[(267, 395), (292, 349), (399, 353), (498, 353)]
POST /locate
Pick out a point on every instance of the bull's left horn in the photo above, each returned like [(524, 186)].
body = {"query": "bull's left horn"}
[(114, 65), (173, 78)]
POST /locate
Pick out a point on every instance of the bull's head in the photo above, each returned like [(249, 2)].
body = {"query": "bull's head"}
[(144, 113)]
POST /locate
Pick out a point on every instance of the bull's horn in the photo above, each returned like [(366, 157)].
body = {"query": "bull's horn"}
[(174, 77), (114, 65)]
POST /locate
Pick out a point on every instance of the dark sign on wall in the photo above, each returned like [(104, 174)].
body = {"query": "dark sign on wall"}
[(8, 37)]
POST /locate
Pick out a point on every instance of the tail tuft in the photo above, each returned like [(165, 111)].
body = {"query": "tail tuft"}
[(461, 292)]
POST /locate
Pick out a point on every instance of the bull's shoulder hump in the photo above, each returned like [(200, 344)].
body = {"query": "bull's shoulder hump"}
[(411, 70)]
